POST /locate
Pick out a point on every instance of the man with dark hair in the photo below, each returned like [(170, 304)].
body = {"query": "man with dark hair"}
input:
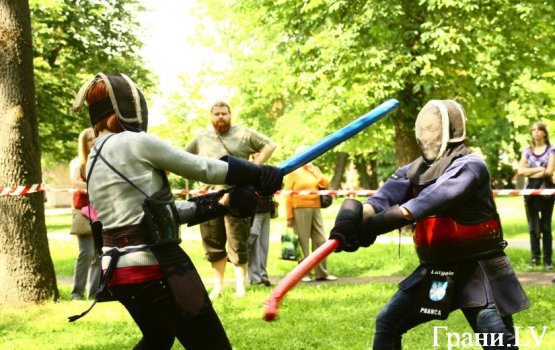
[(458, 237), (221, 140)]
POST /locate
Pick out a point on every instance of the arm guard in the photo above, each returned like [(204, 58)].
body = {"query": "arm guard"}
[(387, 220), (207, 207), (242, 203), (266, 179), (185, 210)]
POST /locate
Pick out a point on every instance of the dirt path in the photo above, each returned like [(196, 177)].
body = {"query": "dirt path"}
[(532, 278), (526, 278)]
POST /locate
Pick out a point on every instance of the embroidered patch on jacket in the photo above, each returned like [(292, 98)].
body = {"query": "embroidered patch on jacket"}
[(438, 290)]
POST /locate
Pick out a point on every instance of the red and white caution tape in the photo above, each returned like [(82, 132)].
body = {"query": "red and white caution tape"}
[(302, 192), (544, 192), (337, 193), (367, 193), (23, 190)]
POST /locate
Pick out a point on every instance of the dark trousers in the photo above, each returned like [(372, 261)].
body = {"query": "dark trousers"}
[(396, 318), (539, 211), (228, 229), (154, 310)]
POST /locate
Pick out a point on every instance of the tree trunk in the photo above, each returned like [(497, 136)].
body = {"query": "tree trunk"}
[(406, 148), (373, 177), (339, 170), (410, 102), (362, 171), (26, 269)]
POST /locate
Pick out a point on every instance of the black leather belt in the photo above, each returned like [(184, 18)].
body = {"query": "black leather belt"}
[(125, 236)]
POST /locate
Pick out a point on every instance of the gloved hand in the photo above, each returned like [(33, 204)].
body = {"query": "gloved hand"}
[(347, 225), (266, 179), (271, 179), (242, 201)]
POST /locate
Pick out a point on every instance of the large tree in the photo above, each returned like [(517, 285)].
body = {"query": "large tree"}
[(321, 62), (73, 40), (26, 269)]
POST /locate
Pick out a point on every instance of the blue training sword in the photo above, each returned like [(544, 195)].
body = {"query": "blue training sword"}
[(271, 305), (337, 137)]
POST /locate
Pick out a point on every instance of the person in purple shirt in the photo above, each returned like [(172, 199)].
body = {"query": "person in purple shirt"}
[(458, 237), (536, 163)]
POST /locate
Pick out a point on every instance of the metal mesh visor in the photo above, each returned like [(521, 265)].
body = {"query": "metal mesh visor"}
[(430, 131), (457, 121)]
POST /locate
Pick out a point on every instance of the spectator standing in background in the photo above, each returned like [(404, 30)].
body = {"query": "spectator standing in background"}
[(536, 163), (87, 266), (241, 142), (259, 240), (304, 214)]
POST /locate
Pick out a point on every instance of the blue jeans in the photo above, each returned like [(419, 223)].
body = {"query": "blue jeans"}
[(396, 318)]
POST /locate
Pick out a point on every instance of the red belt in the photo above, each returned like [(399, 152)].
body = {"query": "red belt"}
[(442, 238), (439, 230)]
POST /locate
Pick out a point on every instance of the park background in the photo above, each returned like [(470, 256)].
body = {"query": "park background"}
[(313, 316), (296, 71)]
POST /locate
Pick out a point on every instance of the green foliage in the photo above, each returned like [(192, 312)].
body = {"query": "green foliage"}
[(319, 64), (533, 100), (72, 41), (185, 118)]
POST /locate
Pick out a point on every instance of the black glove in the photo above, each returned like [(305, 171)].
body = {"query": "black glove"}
[(242, 201), (271, 179), (266, 179), (347, 225)]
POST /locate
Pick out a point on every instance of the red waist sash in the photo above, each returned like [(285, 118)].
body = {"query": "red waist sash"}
[(442, 239)]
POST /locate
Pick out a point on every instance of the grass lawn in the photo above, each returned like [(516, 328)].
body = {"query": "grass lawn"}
[(312, 316)]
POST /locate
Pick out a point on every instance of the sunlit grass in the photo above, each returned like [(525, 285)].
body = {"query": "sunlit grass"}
[(312, 316), (58, 223), (328, 316)]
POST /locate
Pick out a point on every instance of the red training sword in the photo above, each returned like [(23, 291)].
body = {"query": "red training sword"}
[(298, 160), (288, 282)]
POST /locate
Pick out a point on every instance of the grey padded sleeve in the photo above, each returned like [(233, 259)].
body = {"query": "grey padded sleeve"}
[(186, 210)]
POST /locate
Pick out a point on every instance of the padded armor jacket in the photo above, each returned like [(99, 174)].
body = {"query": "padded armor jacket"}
[(462, 193)]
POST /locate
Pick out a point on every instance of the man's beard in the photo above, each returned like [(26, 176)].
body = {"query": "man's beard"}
[(221, 126)]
